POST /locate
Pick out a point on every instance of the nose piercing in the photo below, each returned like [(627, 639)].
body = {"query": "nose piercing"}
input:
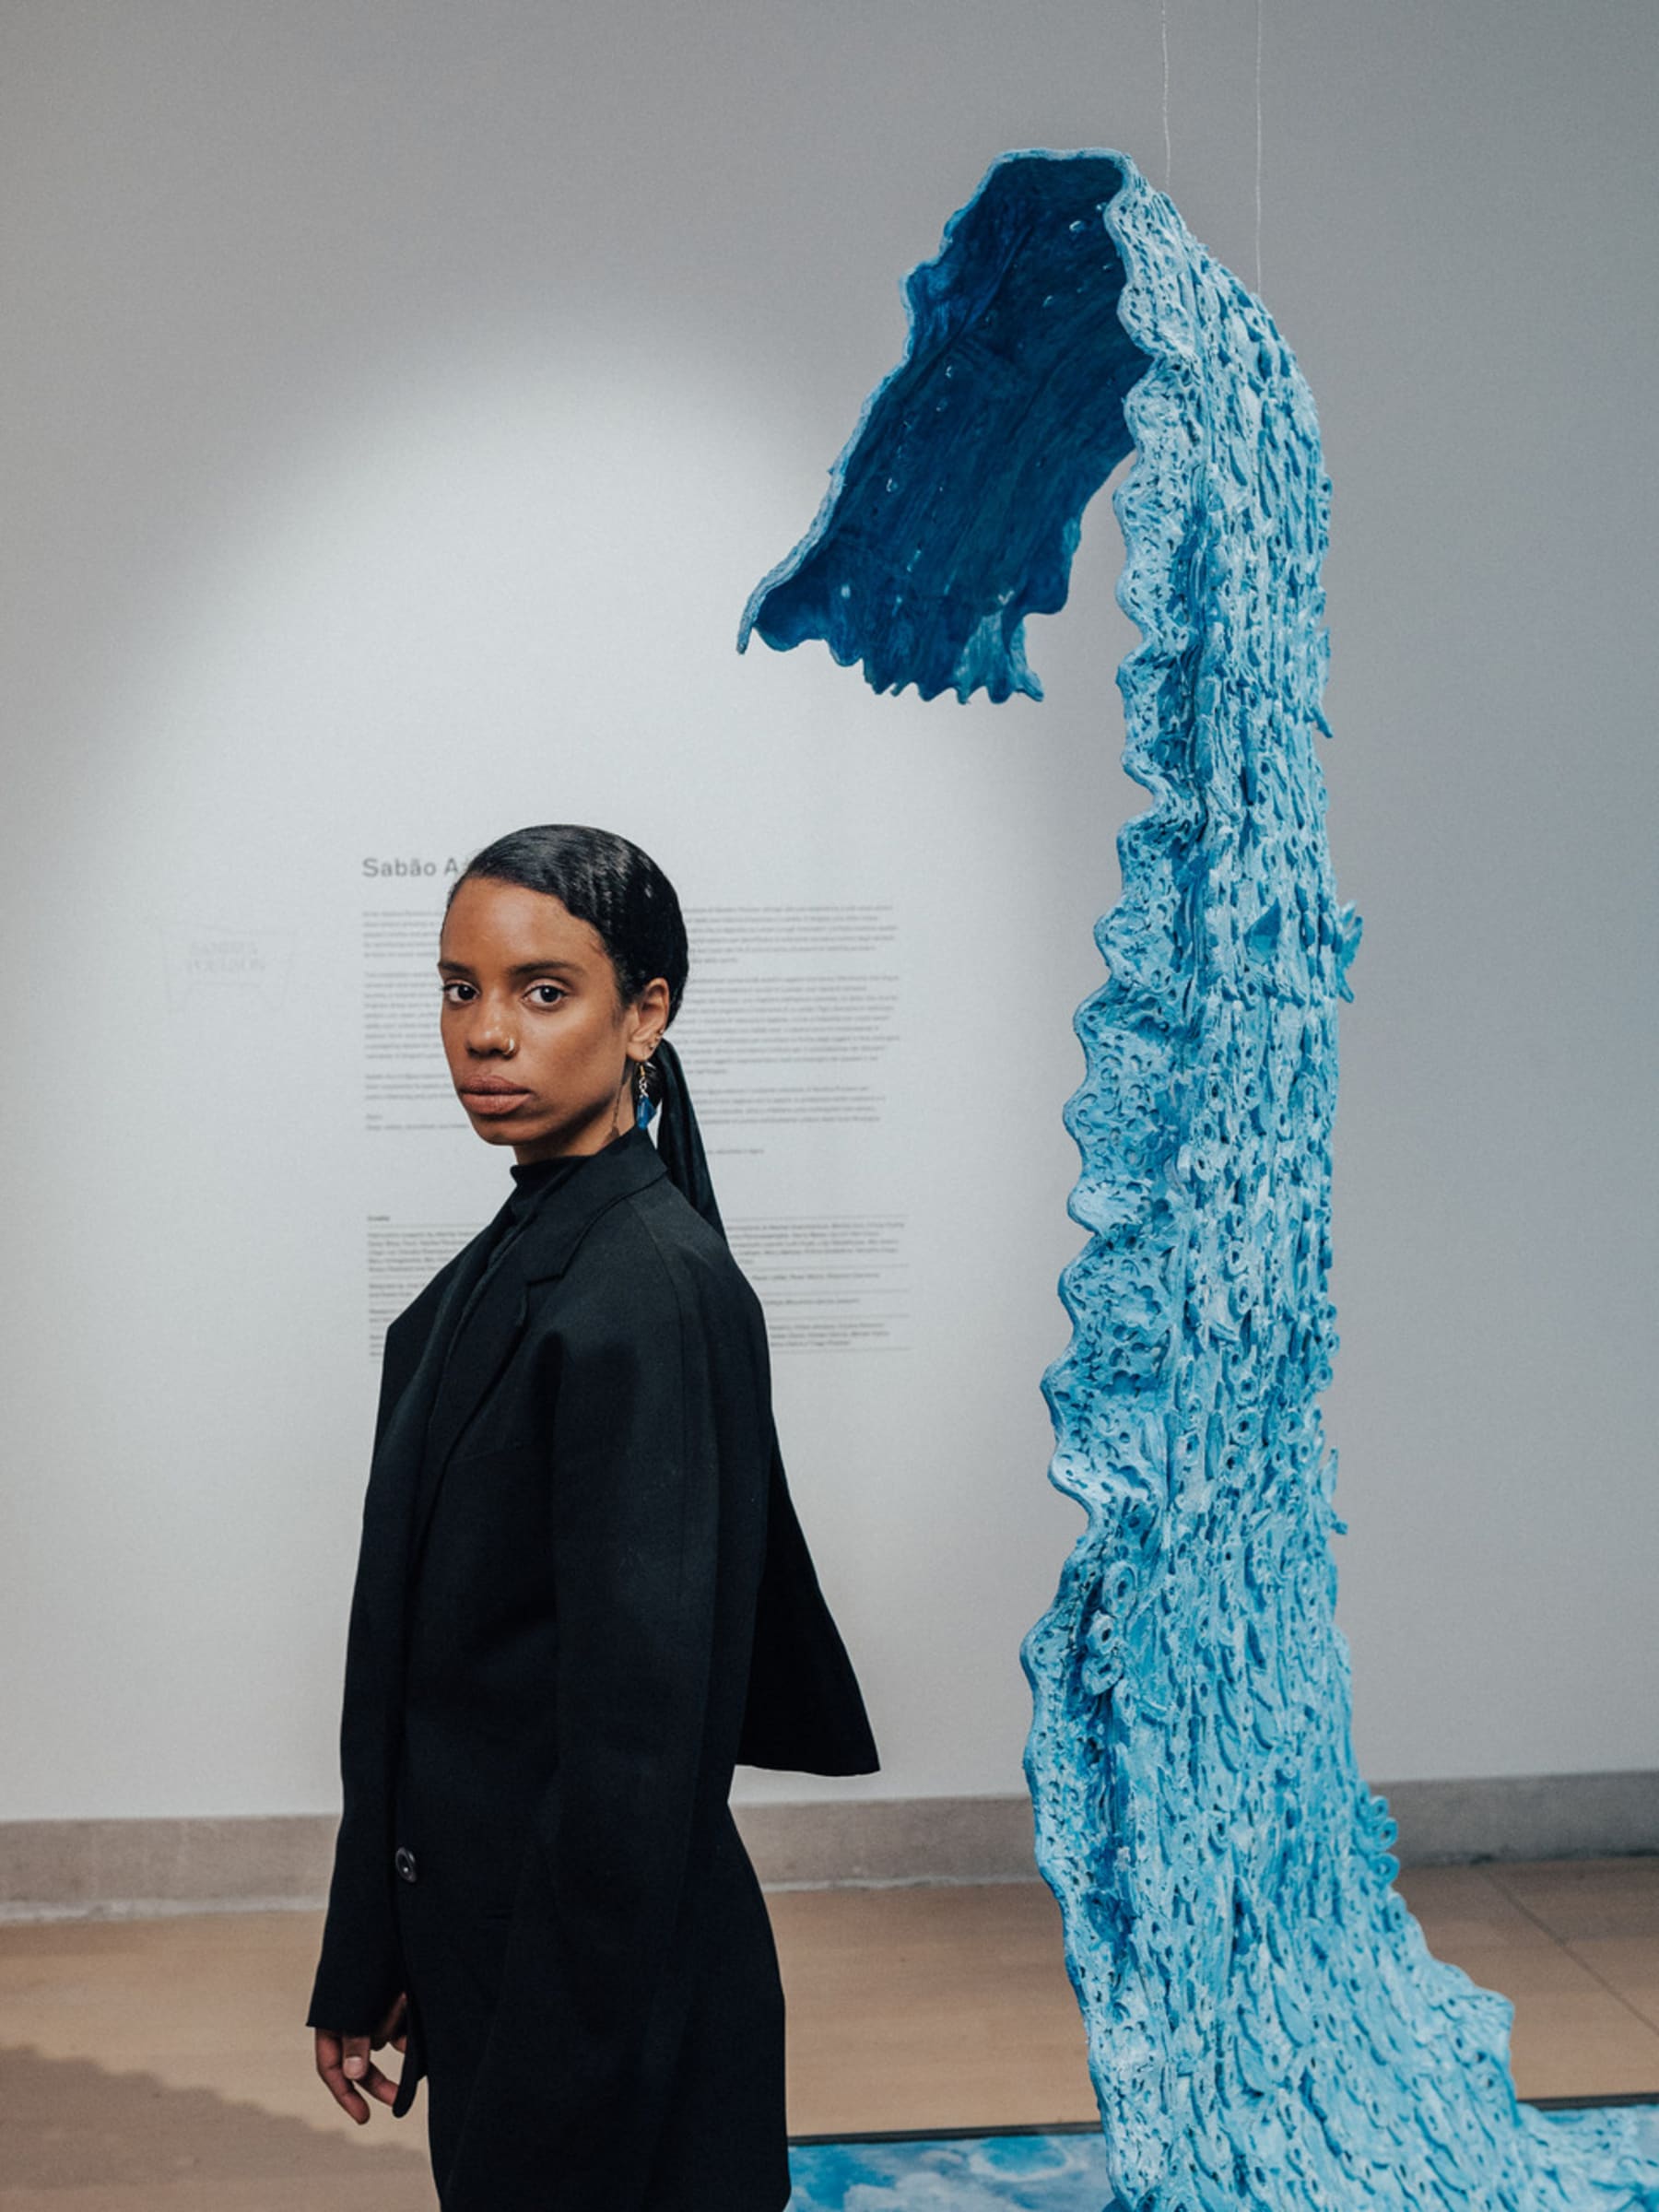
[(511, 1047)]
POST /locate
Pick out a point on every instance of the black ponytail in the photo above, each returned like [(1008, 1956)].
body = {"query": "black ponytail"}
[(679, 1141)]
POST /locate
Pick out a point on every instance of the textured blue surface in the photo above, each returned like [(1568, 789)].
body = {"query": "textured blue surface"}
[(1267, 2026), (1036, 2173), (991, 2173)]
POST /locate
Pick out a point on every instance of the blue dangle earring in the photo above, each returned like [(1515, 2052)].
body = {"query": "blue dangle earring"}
[(644, 1104)]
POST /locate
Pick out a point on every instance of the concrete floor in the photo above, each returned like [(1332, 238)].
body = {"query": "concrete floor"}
[(159, 2065)]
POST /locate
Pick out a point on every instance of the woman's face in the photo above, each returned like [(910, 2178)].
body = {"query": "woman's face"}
[(540, 1048)]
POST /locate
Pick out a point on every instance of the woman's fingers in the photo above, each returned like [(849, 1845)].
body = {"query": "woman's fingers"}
[(350, 2075), (347, 2070), (339, 2057), (379, 2085)]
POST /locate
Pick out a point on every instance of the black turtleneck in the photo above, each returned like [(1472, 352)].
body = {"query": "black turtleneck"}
[(535, 1178)]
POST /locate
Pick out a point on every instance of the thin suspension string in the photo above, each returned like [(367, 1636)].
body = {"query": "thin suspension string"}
[(1163, 28), (1261, 10)]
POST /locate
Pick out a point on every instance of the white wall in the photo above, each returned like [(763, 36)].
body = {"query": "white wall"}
[(402, 400)]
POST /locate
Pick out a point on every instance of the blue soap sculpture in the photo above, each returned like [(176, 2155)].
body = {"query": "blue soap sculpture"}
[(1266, 2025)]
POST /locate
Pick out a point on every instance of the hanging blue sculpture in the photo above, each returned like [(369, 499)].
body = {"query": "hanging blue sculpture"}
[(1266, 2027)]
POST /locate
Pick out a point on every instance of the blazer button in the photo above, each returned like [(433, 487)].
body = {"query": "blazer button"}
[(405, 1863)]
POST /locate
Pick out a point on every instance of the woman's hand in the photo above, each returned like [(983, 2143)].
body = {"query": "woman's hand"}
[(347, 2069)]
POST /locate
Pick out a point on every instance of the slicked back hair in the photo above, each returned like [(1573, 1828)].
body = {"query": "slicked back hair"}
[(606, 882)]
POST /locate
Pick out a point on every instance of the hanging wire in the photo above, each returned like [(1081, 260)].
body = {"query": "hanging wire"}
[(1163, 27), (1261, 10)]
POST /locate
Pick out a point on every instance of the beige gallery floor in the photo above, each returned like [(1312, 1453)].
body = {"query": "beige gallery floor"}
[(159, 2065)]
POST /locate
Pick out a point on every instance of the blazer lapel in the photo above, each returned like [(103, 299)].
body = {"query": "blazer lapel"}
[(398, 1449), (490, 1332), (620, 1171), (375, 1647), (485, 1342)]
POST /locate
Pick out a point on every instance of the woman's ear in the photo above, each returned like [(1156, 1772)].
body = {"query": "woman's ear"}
[(647, 1017)]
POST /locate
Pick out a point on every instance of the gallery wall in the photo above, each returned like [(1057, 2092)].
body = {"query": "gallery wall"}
[(402, 401)]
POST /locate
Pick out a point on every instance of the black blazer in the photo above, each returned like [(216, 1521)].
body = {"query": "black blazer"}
[(583, 1595)]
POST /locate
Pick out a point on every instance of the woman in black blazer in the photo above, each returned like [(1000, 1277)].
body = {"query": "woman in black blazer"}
[(582, 1596)]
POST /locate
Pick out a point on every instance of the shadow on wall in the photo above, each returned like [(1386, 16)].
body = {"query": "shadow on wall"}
[(68, 2124)]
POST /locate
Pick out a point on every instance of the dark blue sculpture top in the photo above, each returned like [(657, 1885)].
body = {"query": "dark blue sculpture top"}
[(1019, 365)]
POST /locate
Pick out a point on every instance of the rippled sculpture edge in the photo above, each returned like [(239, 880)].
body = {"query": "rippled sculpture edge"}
[(1267, 2026)]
